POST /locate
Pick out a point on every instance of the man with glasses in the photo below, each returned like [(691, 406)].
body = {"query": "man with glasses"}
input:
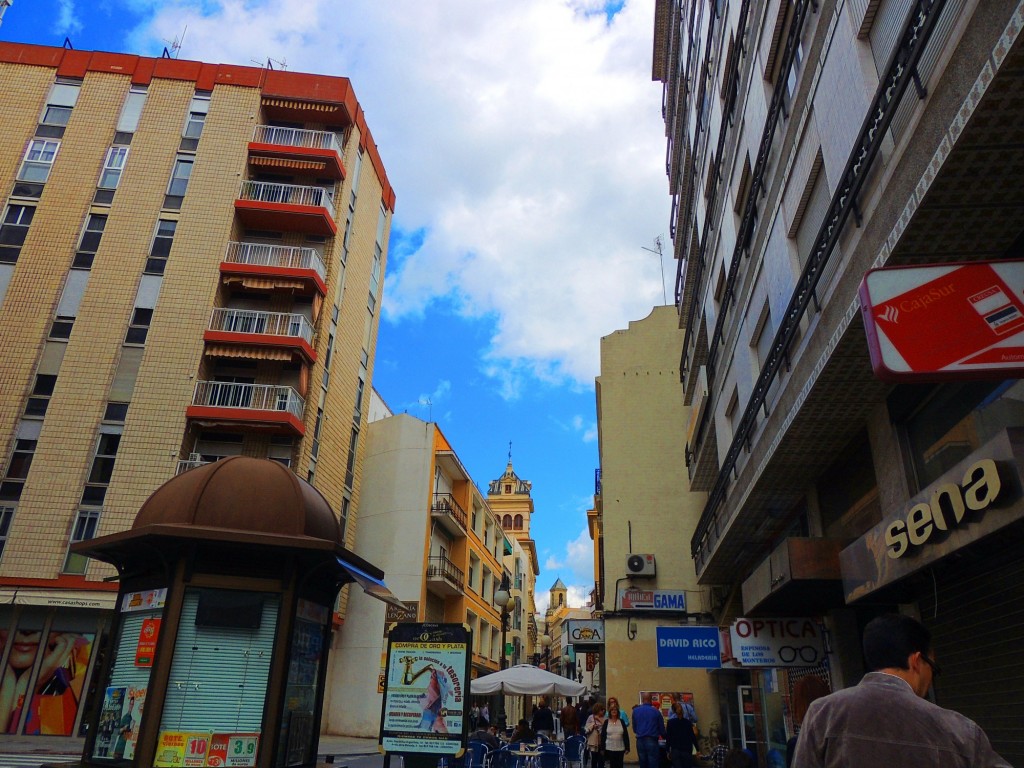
[(885, 720)]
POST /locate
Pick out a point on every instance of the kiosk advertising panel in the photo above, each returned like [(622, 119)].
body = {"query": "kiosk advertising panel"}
[(426, 690)]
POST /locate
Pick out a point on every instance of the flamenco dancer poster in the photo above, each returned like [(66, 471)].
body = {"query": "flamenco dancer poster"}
[(426, 684)]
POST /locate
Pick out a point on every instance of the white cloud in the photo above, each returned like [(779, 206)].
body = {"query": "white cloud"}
[(523, 140), (67, 22)]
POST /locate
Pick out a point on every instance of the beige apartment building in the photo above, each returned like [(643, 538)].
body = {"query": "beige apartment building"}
[(854, 460), (191, 259), (644, 514), (430, 528)]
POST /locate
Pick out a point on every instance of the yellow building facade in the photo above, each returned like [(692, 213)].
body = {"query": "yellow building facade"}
[(191, 259), (644, 509)]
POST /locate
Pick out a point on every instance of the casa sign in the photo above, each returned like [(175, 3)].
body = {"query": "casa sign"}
[(585, 632)]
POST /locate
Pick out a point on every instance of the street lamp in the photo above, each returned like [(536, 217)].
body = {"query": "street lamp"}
[(565, 665), (545, 643), (503, 599)]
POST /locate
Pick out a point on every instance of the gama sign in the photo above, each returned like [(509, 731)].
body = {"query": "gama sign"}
[(585, 631), (632, 599)]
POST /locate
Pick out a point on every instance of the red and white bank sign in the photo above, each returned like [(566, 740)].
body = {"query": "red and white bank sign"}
[(948, 321)]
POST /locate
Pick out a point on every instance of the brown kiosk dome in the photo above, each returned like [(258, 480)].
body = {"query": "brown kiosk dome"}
[(228, 581)]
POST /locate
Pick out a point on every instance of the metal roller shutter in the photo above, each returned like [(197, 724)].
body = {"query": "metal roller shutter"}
[(218, 678), (976, 615)]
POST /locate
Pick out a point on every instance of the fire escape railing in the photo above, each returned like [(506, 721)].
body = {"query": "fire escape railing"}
[(900, 71)]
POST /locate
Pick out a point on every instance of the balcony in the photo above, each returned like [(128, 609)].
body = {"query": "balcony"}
[(276, 409), (193, 461), (444, 578), (449, 514), (258, 266), (315, 153), (286, 208), (259, 335)]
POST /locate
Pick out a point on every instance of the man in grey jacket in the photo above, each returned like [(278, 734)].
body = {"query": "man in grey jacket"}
[(885, 719)]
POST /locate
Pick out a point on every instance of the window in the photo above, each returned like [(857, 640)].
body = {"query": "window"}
[(61, 328), (763, 336), (517, 523), (161, 248), (138, 328), (945, 425), (39, 400), (351, 465), (327, 360), (179, 180), (83, 529), (115, 412), (13, 231), (345, 502), (17, 470), (59, 103), (38, 160), (197, 115), (102, 469), (90, 241), (6, 515), (132, 109), (112, 167)]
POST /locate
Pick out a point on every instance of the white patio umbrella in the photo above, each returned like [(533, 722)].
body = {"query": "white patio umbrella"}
[(526, 679)]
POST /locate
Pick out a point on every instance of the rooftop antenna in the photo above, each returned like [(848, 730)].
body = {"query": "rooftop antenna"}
[(175, 44), (509, 451), (269, 64), (4, 5), (661, 261), (430, 408)]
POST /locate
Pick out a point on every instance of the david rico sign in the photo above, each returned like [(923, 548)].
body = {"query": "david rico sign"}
[(652, 600), (690, 647), (585, 632)]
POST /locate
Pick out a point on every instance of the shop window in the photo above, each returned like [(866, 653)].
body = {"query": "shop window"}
[(848, 492), (945, 424), (13, 231)]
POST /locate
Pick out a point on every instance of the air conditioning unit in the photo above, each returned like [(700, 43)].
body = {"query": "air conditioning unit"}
[(640, 565)]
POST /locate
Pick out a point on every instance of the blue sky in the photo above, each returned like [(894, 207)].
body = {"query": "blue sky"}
[(525, 145)]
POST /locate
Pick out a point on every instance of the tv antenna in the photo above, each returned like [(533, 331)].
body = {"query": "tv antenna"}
[(172, 52), (661, 261), (4, 5), (269, 63)]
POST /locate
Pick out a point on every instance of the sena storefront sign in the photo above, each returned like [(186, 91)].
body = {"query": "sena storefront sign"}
[(977, 497), (948, 321)]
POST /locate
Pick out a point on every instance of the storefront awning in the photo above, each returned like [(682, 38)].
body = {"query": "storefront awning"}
[(372, 586)]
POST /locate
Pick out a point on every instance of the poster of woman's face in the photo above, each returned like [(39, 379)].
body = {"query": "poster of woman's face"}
[(56, 690)]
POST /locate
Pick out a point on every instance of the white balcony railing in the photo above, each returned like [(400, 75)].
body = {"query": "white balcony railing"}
[(193, 461), (296, 137), (290, 194), (256, 397), (270, 323), (263, 255)]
